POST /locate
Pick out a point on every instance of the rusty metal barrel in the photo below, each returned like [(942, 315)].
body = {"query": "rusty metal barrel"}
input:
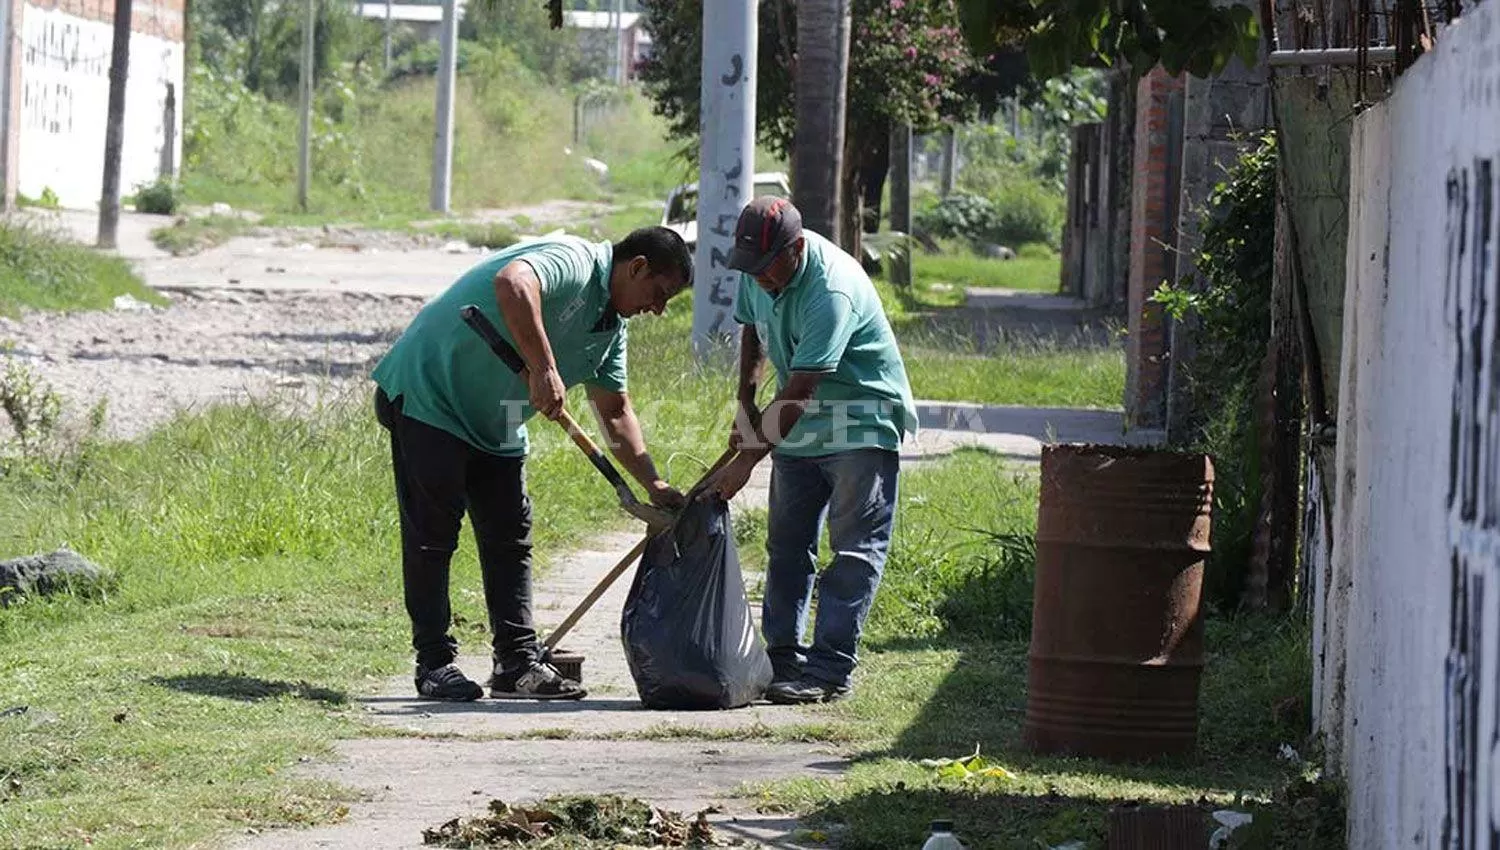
[(1117, 621)]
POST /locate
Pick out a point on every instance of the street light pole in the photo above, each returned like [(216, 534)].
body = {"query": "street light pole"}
[(442, 153), (304, 139)]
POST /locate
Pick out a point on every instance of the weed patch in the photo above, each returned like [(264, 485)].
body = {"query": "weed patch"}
[(42, 270), (191, 235)]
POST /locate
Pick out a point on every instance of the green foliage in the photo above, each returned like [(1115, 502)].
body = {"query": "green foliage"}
[(241, 136), (1197, 36), (158, 198), (1017, 212), (959, 215), (962, 556), (41, 270), (48, 200), (191, 235), (1044, 118), (513, 141), (907, 64), (259, 42), (30, 405), (1231, 330), (522, 26), (1027, 212)]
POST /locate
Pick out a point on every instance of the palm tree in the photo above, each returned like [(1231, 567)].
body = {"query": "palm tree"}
[(822, 70)]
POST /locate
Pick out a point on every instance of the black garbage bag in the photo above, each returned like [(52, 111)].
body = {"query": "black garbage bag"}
[(689, 638)]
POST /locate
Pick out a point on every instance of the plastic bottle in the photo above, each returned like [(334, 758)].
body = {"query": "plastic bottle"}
[(942, 837)]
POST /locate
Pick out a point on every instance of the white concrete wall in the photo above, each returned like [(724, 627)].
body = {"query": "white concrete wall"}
[(1412, 596), (65, 101)]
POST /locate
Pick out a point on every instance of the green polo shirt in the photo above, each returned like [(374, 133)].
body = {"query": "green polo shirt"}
[(448, 378), (829, 319)]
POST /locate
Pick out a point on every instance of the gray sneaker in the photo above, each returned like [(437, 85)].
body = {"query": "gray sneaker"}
[(535, 681)]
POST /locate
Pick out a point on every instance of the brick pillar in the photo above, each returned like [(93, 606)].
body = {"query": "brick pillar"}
[(1153, 232)]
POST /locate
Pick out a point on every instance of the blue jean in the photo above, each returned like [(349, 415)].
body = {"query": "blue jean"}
[(855, 491)]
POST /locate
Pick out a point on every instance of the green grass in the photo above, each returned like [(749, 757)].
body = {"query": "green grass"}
[(191, 235), (1035, 269), (41, 270), (257, 592), (1035, 373), (257, 589), (944, 671), (513, 144)]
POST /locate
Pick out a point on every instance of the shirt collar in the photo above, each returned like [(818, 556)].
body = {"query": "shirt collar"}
[(800, 273)]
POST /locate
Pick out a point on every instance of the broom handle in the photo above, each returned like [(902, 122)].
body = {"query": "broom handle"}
[(567, 625), (588, 601)]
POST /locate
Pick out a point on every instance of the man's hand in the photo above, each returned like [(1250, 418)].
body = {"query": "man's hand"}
[(664, 495), (729, 481), (547, 392)]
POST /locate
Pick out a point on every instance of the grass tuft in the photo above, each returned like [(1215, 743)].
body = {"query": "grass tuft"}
[(192, 235), (43, 270)]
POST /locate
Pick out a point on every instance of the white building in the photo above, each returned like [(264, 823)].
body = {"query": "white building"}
[(596, 31), (57, 56), (423, 19)]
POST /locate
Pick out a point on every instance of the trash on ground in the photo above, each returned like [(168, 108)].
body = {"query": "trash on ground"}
[(128, 303), (629, 821), (1076, 844), (1228, 821), (1286, 753), (972, 767)]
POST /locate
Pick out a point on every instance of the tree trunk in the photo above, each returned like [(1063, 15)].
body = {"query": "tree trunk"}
[(851, 197), (114, 132), (821, 80), (252, 60), (873, 172), (866, 159)]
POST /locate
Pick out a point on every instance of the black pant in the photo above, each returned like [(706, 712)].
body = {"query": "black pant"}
[(438, 477)]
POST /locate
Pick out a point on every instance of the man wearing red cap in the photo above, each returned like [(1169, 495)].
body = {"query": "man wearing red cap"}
[(833, 431)]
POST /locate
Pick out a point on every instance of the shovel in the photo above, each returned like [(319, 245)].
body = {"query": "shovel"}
[(655, 518)]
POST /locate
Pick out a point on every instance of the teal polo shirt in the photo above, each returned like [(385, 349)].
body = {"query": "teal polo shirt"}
[(448, 378), (829, 319)]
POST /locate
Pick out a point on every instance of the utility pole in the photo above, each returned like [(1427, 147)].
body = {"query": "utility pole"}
[(726, 165), (388, 36), (114, 132), (619, 8), (304, 139), (442, 153)]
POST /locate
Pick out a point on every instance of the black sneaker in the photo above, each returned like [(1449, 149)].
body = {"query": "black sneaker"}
[(804, 691), (447, 683), (536, 681)]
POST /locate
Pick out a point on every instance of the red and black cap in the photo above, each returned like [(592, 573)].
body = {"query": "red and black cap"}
[(767, 225)]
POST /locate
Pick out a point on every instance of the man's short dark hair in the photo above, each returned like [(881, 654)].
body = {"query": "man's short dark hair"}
[(664, 250)]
